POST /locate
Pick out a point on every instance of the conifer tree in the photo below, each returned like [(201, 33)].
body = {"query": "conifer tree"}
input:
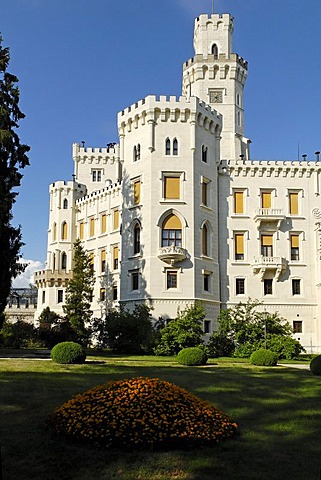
[(79, 294), (13, 158)]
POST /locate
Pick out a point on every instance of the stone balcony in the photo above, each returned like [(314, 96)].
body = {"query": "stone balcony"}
[(52, 278), (261, 264), (271, 216), (172, 254)]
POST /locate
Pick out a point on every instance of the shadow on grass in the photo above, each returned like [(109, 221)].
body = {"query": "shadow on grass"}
[(277, 409)]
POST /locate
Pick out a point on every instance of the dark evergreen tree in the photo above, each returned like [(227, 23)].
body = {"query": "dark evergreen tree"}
[(13, 158), (79, 294)]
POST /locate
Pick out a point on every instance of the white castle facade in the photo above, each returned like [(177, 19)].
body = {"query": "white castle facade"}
[(178, 212)]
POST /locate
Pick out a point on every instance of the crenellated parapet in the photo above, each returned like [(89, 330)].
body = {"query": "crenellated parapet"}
[(217, 63), (96, 156), (100, 195)]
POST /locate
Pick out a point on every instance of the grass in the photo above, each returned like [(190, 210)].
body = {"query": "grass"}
[(278, 411)]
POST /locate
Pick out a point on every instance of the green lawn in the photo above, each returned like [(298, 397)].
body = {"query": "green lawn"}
[(278, 411)]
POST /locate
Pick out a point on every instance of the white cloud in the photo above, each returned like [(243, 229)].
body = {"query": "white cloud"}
[(24, 279)]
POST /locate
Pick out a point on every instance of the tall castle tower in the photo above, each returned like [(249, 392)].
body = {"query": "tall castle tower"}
[(217, 76)]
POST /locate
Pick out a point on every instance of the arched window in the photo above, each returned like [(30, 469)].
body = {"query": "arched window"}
[(65, 205), (64, 231), (63, 261), (204, 154), (167, 147), (54, 232), (204, 240), (214, 51), (175, 147), (172, 231), (137, 239)]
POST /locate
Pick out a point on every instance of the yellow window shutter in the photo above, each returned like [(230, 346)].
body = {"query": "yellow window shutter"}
[(54, 231), (266, 199), (172, 222), (238, 202), (267, 240), (103, 255), (64, 233), (116, 252), (81, 230), (103, 223), (116, 219), (137, 192), (294, 203), (239, 243), (295, 241), (172, 187), (92, 227)]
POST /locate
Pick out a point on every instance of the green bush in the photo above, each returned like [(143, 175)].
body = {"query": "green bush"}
[(315, 365), (284, 347), (16, 334), (192, 356), (220, 345), (264, 358), (68, 353)]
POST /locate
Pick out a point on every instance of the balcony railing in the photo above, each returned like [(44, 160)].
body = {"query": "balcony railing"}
[(172, 254), (269, 215), (262, 264)]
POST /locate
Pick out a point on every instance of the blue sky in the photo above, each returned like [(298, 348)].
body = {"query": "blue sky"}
[(81, 61)]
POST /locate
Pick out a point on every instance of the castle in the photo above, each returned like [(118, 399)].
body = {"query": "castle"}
[(178, 211)]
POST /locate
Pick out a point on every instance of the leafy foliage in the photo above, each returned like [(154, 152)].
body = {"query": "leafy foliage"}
[(220, 345), (263, 357), (79, 294), (315, 365), (192, 356), (54, 329), (13, 158), (124, 331), (16, 335), (68, 353), (141, 412), (185, 331)]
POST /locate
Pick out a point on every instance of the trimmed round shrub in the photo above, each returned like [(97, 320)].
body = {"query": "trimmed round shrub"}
[(315, 365), (192, 356), (264, 358), (141, 412), (68, 353)]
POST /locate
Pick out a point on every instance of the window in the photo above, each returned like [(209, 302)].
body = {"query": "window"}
[(172, 188), (266, 199), (238, 202), (53, 261), (239, 246), (91, 261), (175, 147), (268, 286), (171, 279), (63, 261), (116, 219), (115, 257), (135, 280), (64, 231), (60, 296), (167, 147), (103, 223), (297, 326), (81, 230), (43, 296), (214, 51), (240, 286), (137, 239), (204, 154), (207, 326), (296, 286), (115, 293), (294, 203), (65, 204), (54, 232), (205, 192), (172, 232), (136, 154), (136, 185), (102, 294), (295, 252), (92, 227), (267, 245), (206, 282), (96, 175), (103, 260), (204, 240)]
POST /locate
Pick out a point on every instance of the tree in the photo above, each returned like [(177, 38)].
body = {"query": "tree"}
[(12, 158), (79, 294), (185, 331), (53, 329), (124, 331)]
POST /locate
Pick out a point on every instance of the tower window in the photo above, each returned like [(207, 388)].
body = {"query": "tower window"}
[(54, 233), (175, 147), (296, 286), (268, 286), (63, 261), (294, 203), (206, 282), (60, 296), (214, 51), (135, 280), (137, 239), (171, 279), (167, 147), (204, 154), (172, 232), (65, 204), (207, 326), (297, 326), (96, 175), (240, 286), (172, 188), (204, 240), (205, 192), (64, 231), (136, 186), (238, 202), (136, 154), (43, 296)]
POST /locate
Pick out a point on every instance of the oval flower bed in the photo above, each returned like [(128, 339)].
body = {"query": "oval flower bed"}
[(141, 412)]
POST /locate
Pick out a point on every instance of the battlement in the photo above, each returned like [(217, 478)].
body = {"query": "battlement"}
[(70, 185), (220, 61), (105, 154), (97, 194), (269, 168), (214, 19)]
